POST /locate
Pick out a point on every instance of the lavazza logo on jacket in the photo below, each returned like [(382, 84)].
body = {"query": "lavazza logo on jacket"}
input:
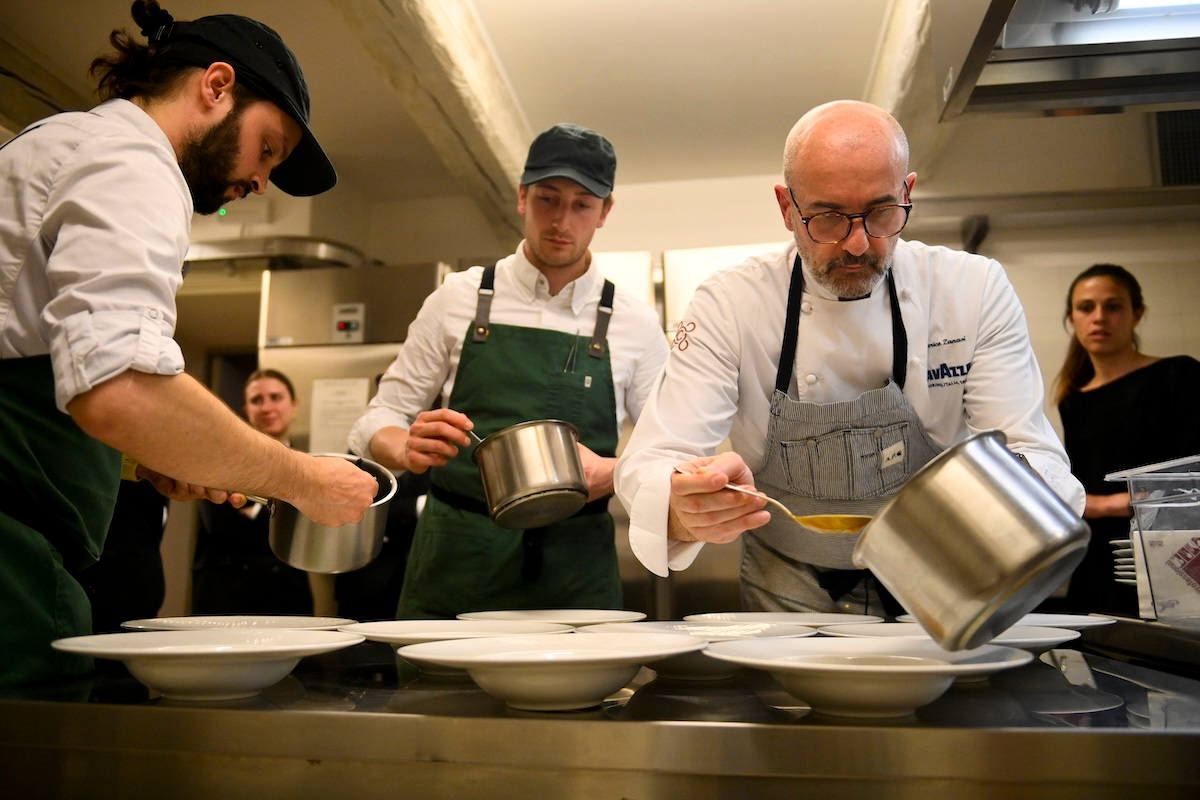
[(941, 375), (947, 374)]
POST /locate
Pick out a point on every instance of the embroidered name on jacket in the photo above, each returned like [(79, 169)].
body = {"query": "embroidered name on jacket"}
[(941, 375)]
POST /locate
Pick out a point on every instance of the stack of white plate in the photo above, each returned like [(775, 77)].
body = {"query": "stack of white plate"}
[(1124, 565)]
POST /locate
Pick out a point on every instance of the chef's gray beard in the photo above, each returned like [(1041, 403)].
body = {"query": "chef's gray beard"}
[(850, 287)]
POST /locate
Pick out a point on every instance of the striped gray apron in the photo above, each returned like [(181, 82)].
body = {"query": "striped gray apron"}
[(829, 458)]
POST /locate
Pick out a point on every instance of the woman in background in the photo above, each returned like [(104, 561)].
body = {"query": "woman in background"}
[(235, 571), (1120, 408)]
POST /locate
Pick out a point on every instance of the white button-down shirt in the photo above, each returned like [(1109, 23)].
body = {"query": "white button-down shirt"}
[(428, 359), (94, 223), (970, 368)]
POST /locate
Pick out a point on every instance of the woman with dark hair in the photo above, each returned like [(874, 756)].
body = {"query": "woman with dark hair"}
[(235, 571), (1120, 408)]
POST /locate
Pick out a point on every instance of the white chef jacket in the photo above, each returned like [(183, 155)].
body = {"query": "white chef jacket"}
[(428, 360), (970, 368), (94, 223)]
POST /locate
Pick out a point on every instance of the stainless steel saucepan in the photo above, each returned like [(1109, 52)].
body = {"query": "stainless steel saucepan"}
[(972, 542), (306, 545), (532, 473)]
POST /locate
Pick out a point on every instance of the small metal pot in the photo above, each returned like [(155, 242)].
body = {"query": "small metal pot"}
[(532, 473), (972, 542), (306, 545)]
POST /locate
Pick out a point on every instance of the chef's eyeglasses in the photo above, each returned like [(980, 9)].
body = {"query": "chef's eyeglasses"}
[(831, 227)]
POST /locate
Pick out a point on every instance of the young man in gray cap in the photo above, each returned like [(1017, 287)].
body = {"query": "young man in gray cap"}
[(539, 335), (94, 226)]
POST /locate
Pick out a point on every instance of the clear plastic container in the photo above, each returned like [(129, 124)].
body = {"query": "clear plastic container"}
[(1165, 480), (1165, 537)]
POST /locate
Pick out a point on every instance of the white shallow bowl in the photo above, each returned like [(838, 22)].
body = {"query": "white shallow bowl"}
[(698, 665), (811, 619), (213, 664), (564, 616), (247, 621), (1040, 620), (1026, 637), (866, 677), (402, 632), (553, 673)]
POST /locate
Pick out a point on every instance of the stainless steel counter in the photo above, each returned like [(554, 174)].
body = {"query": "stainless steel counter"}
[(361, 724)]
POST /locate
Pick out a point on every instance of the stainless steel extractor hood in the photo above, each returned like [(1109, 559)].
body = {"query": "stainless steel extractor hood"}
[(275, 252), (1065, 56)]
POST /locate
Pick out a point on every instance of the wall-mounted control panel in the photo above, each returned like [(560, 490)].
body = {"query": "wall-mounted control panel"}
[(348, 321)]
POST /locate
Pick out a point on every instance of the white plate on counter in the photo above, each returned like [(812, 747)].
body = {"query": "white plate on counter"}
[(866, 677), (1025, 637), (697, 665), (1040, 620), (401, 632), (415, 631), (214, 664), (240, 621), (553, 673), (811, 619), (563, 616)]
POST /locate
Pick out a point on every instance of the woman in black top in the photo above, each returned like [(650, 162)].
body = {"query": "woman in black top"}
[(1120, 408), (235, 571)]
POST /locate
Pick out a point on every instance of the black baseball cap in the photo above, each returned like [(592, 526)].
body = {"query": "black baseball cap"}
[(263, 63), (572, 151)]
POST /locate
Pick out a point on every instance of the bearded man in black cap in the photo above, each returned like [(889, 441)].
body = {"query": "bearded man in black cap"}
[(539, 335), (94, 226)]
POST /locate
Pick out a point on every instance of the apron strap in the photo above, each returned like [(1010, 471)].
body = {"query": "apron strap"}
[(483, 306), (791, 329), (791, 332), (839, 582), (464, 503), (899, 336), (603, 315)]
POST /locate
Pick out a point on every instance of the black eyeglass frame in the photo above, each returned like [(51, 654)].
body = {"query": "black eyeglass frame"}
[(850, 219)]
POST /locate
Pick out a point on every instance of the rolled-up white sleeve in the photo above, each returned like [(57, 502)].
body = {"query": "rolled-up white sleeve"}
[(116, 221)]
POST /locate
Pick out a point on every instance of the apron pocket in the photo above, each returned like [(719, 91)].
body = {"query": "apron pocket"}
[(850, 464), (563, 396), (879, 460)]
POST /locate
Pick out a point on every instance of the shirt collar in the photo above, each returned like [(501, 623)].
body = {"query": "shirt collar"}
[(134, 115), (532, 285)]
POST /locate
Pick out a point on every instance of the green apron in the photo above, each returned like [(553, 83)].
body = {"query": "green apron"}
[(58, 488), (462, 561)]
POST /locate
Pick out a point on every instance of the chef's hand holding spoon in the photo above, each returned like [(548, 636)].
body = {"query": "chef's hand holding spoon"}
[(700, 512)]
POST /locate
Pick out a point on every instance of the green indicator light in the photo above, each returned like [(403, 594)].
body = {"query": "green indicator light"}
[(222, 212)]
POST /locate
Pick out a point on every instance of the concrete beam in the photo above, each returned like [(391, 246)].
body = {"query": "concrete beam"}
[(902, 82), (436, 58)]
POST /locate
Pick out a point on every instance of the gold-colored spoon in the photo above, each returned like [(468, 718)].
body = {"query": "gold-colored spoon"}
[(822, 523)]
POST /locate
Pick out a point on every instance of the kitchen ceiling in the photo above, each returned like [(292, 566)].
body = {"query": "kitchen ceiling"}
[(686, 89)]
